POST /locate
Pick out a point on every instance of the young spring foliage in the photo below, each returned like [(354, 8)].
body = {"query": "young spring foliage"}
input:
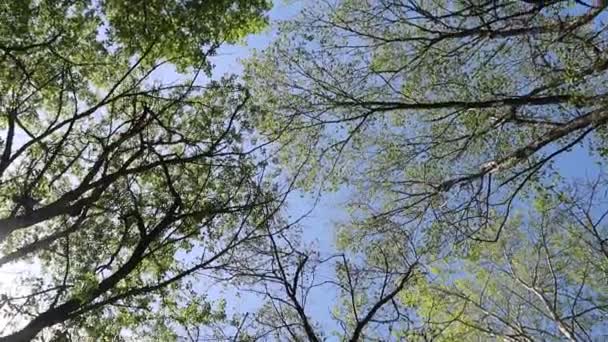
[(444, 120)]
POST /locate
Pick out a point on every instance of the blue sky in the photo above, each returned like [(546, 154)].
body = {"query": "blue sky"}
[(227, 59)]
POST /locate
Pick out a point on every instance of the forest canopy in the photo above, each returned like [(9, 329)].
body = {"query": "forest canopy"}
[(468, 138)]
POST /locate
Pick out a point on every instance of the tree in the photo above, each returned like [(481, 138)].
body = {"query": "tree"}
[(287, 276), (545, 280), (439, 110), (445, 118), (121, 185), (130, 191)]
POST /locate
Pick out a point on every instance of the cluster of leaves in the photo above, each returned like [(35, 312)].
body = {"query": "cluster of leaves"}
[(118, 185)]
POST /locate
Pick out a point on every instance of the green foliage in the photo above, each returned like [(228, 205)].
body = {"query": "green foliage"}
[(443, 119), (118, 183), (186, 31)]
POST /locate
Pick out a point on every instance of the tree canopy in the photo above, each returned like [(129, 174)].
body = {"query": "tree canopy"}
[(130, 181), (446, 121), (119, 184)]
